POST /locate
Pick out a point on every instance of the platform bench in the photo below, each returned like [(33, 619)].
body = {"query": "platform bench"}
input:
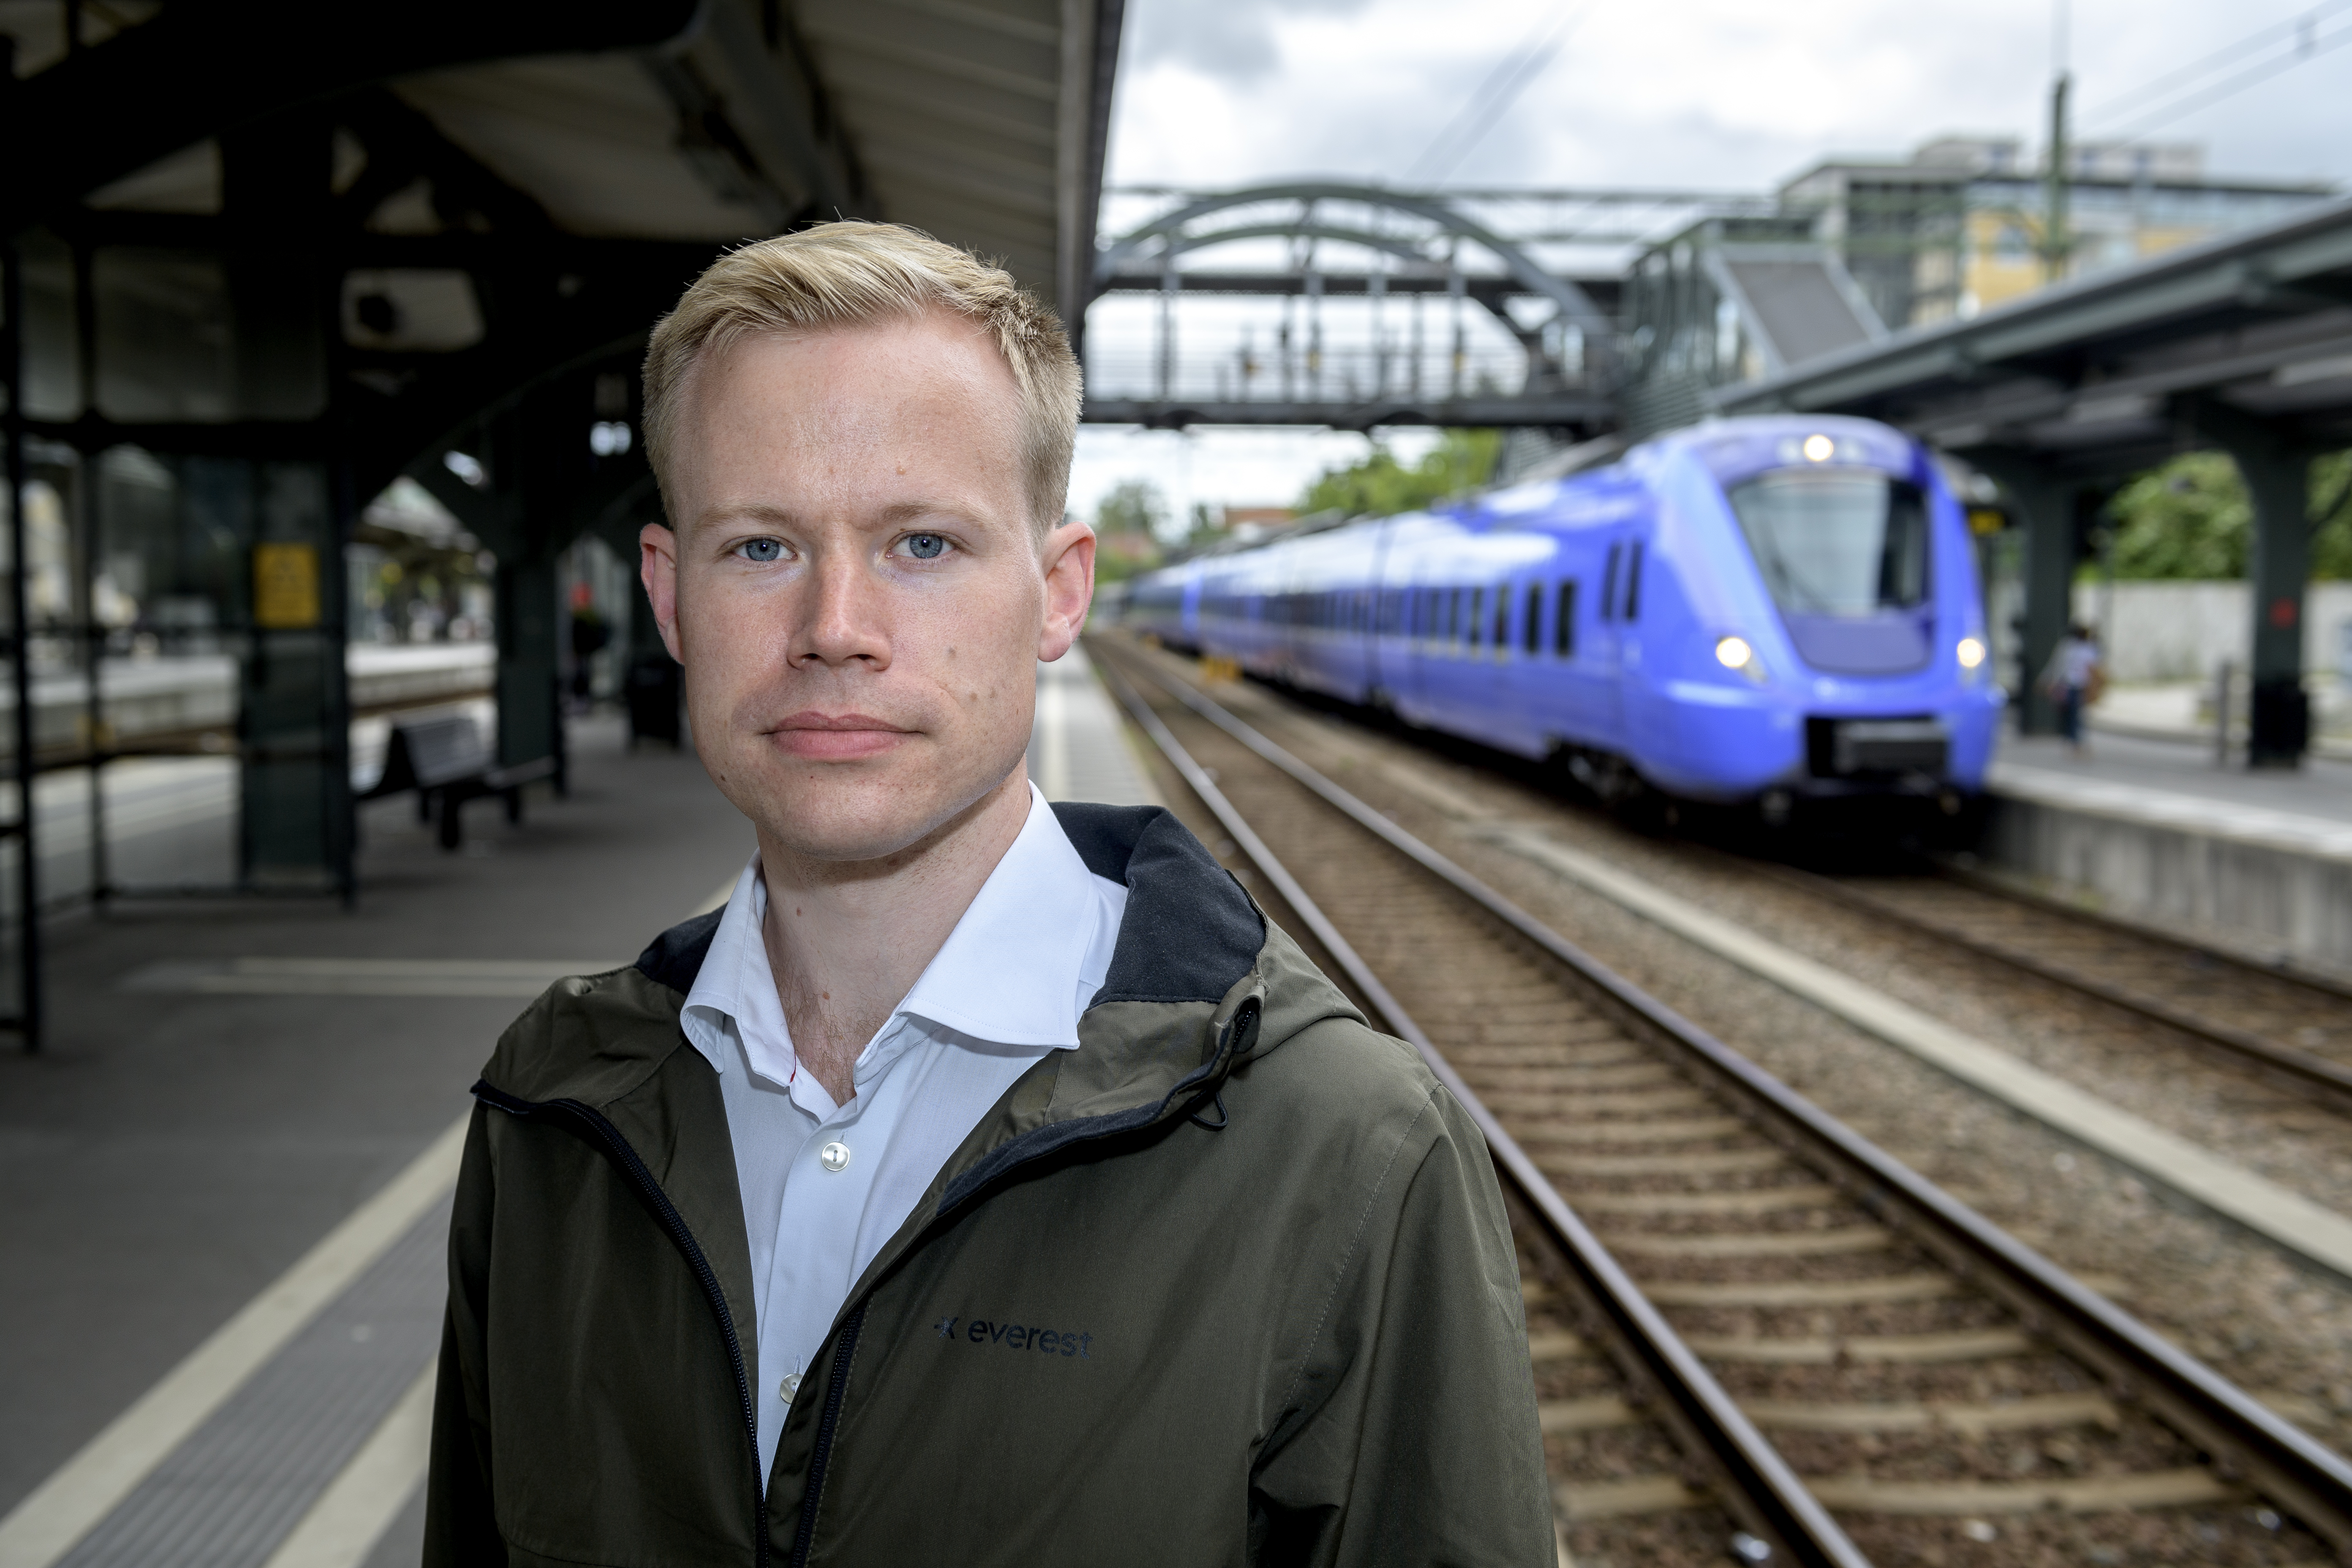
[(446, 761)]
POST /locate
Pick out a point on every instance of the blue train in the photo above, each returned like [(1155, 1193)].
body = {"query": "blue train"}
[(1751, 611)]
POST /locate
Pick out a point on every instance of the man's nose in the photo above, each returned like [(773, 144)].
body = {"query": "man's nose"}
[(844, 622)]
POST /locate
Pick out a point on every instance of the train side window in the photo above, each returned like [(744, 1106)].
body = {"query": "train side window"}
[(1477, 615), (1609, 584), (1563, 625), (1532, 633), (1501, 641), (1634, 581)]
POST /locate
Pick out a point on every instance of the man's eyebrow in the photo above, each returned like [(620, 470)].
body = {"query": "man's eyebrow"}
[(750, 511), (898, 512)]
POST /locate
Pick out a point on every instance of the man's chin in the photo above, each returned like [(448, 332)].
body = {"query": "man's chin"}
[(857, 819)]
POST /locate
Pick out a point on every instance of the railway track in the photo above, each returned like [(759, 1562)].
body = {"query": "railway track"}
[(1751, 1325), (2293, 1026)]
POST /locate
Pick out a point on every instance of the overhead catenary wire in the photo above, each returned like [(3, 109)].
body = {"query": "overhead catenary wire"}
[(2299, 33), (1494, 95)]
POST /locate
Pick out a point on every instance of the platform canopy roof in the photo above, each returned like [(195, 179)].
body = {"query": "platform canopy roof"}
[(981, 120), (480, 193), (2119, 370)]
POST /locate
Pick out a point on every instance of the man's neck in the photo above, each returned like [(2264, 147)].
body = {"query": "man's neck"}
[(847, 942)]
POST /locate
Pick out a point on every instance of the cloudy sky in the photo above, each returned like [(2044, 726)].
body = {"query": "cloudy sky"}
[(1717, 94)]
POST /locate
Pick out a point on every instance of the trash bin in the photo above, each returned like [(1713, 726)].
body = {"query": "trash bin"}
[(655, 692)]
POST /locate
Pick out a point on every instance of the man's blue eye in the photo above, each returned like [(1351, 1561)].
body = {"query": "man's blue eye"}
[(763, 549), (925, 546)]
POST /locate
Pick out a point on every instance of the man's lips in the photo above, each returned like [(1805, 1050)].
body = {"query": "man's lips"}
[(831, 736)]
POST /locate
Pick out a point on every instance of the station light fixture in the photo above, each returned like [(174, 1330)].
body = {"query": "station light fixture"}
[(1819, 448), (1970, 653)]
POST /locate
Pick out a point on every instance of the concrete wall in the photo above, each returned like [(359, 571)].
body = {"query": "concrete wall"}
[(2268, 888), (2180, 631)]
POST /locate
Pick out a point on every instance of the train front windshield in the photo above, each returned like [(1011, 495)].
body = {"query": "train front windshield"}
[(1836, 542)]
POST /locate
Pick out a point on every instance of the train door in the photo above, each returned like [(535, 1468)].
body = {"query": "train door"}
[(1370, 674), (1601, 647), (1529, 673)]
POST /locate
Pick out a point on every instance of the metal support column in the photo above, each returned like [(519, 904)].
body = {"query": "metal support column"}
[(541, 447), (2055, 508), (20, 652), (294, 715), (2277, 474)]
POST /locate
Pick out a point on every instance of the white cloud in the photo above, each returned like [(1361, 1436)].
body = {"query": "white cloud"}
[(1709, 94), (1701, 92)]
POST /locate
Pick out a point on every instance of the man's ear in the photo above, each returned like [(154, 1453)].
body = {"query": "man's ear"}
[(658, 569), (1069, 562)]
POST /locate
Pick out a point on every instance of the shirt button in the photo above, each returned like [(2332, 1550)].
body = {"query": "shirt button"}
[(790, 1387), (834, 1156)]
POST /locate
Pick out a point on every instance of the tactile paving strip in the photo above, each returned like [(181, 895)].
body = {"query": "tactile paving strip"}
[(227, 1496)]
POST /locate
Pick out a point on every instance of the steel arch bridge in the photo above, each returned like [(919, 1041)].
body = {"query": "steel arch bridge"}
[(1569, 354)]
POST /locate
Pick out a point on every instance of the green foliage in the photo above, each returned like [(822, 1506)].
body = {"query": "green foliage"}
[(2188, 519), (1127, 529), (2191, 519), (2331, 505), (1133, 506), (1381, 485)]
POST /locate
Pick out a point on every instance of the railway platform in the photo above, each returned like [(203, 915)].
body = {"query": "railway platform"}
[(229, 1171), (2154, 831)]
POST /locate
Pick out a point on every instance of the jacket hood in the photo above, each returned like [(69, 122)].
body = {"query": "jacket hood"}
[(1199, 983)]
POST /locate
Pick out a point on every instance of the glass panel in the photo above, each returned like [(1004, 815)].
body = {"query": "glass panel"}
[(164, 331), (1563, 629), (1836, 543), (1533, 631)]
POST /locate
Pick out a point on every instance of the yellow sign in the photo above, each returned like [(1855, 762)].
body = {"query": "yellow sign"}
[(1984, 519), (285, 586)]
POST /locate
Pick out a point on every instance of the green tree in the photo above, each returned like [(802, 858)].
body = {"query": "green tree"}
[(1127, 529), (2188, 519), (2192, 518), (1381, 485), (1133, 506)]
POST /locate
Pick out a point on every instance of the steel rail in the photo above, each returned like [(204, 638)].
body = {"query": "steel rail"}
[(1769, 1498), (2281, 967), (2293, 1061), (2245, 1440)]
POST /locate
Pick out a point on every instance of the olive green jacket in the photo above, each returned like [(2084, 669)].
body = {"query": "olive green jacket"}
[(1230, 1283)]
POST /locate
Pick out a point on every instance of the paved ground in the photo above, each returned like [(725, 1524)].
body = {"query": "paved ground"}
[(2322, 787), (206, 1111), (171, 1154)]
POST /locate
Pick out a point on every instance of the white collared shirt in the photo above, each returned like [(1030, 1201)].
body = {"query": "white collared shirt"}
[(1005, 989)]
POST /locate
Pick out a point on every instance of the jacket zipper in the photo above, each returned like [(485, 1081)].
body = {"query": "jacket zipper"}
[(618, 1149), (836, 1390), (837, 1385)]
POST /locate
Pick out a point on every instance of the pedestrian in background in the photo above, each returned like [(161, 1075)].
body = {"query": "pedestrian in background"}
[(2073, 679)]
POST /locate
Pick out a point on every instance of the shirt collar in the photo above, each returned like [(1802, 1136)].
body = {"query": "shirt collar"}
[(1011, 971), (1016, 969)]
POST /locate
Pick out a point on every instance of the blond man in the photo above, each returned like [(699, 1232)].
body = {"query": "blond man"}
[(986, 1182)]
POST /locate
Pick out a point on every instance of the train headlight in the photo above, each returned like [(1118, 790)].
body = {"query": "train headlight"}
[(1735, 654), (1970, 653), (1819, 448)]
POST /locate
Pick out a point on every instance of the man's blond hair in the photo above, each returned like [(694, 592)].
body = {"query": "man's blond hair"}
[(856, 273)]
